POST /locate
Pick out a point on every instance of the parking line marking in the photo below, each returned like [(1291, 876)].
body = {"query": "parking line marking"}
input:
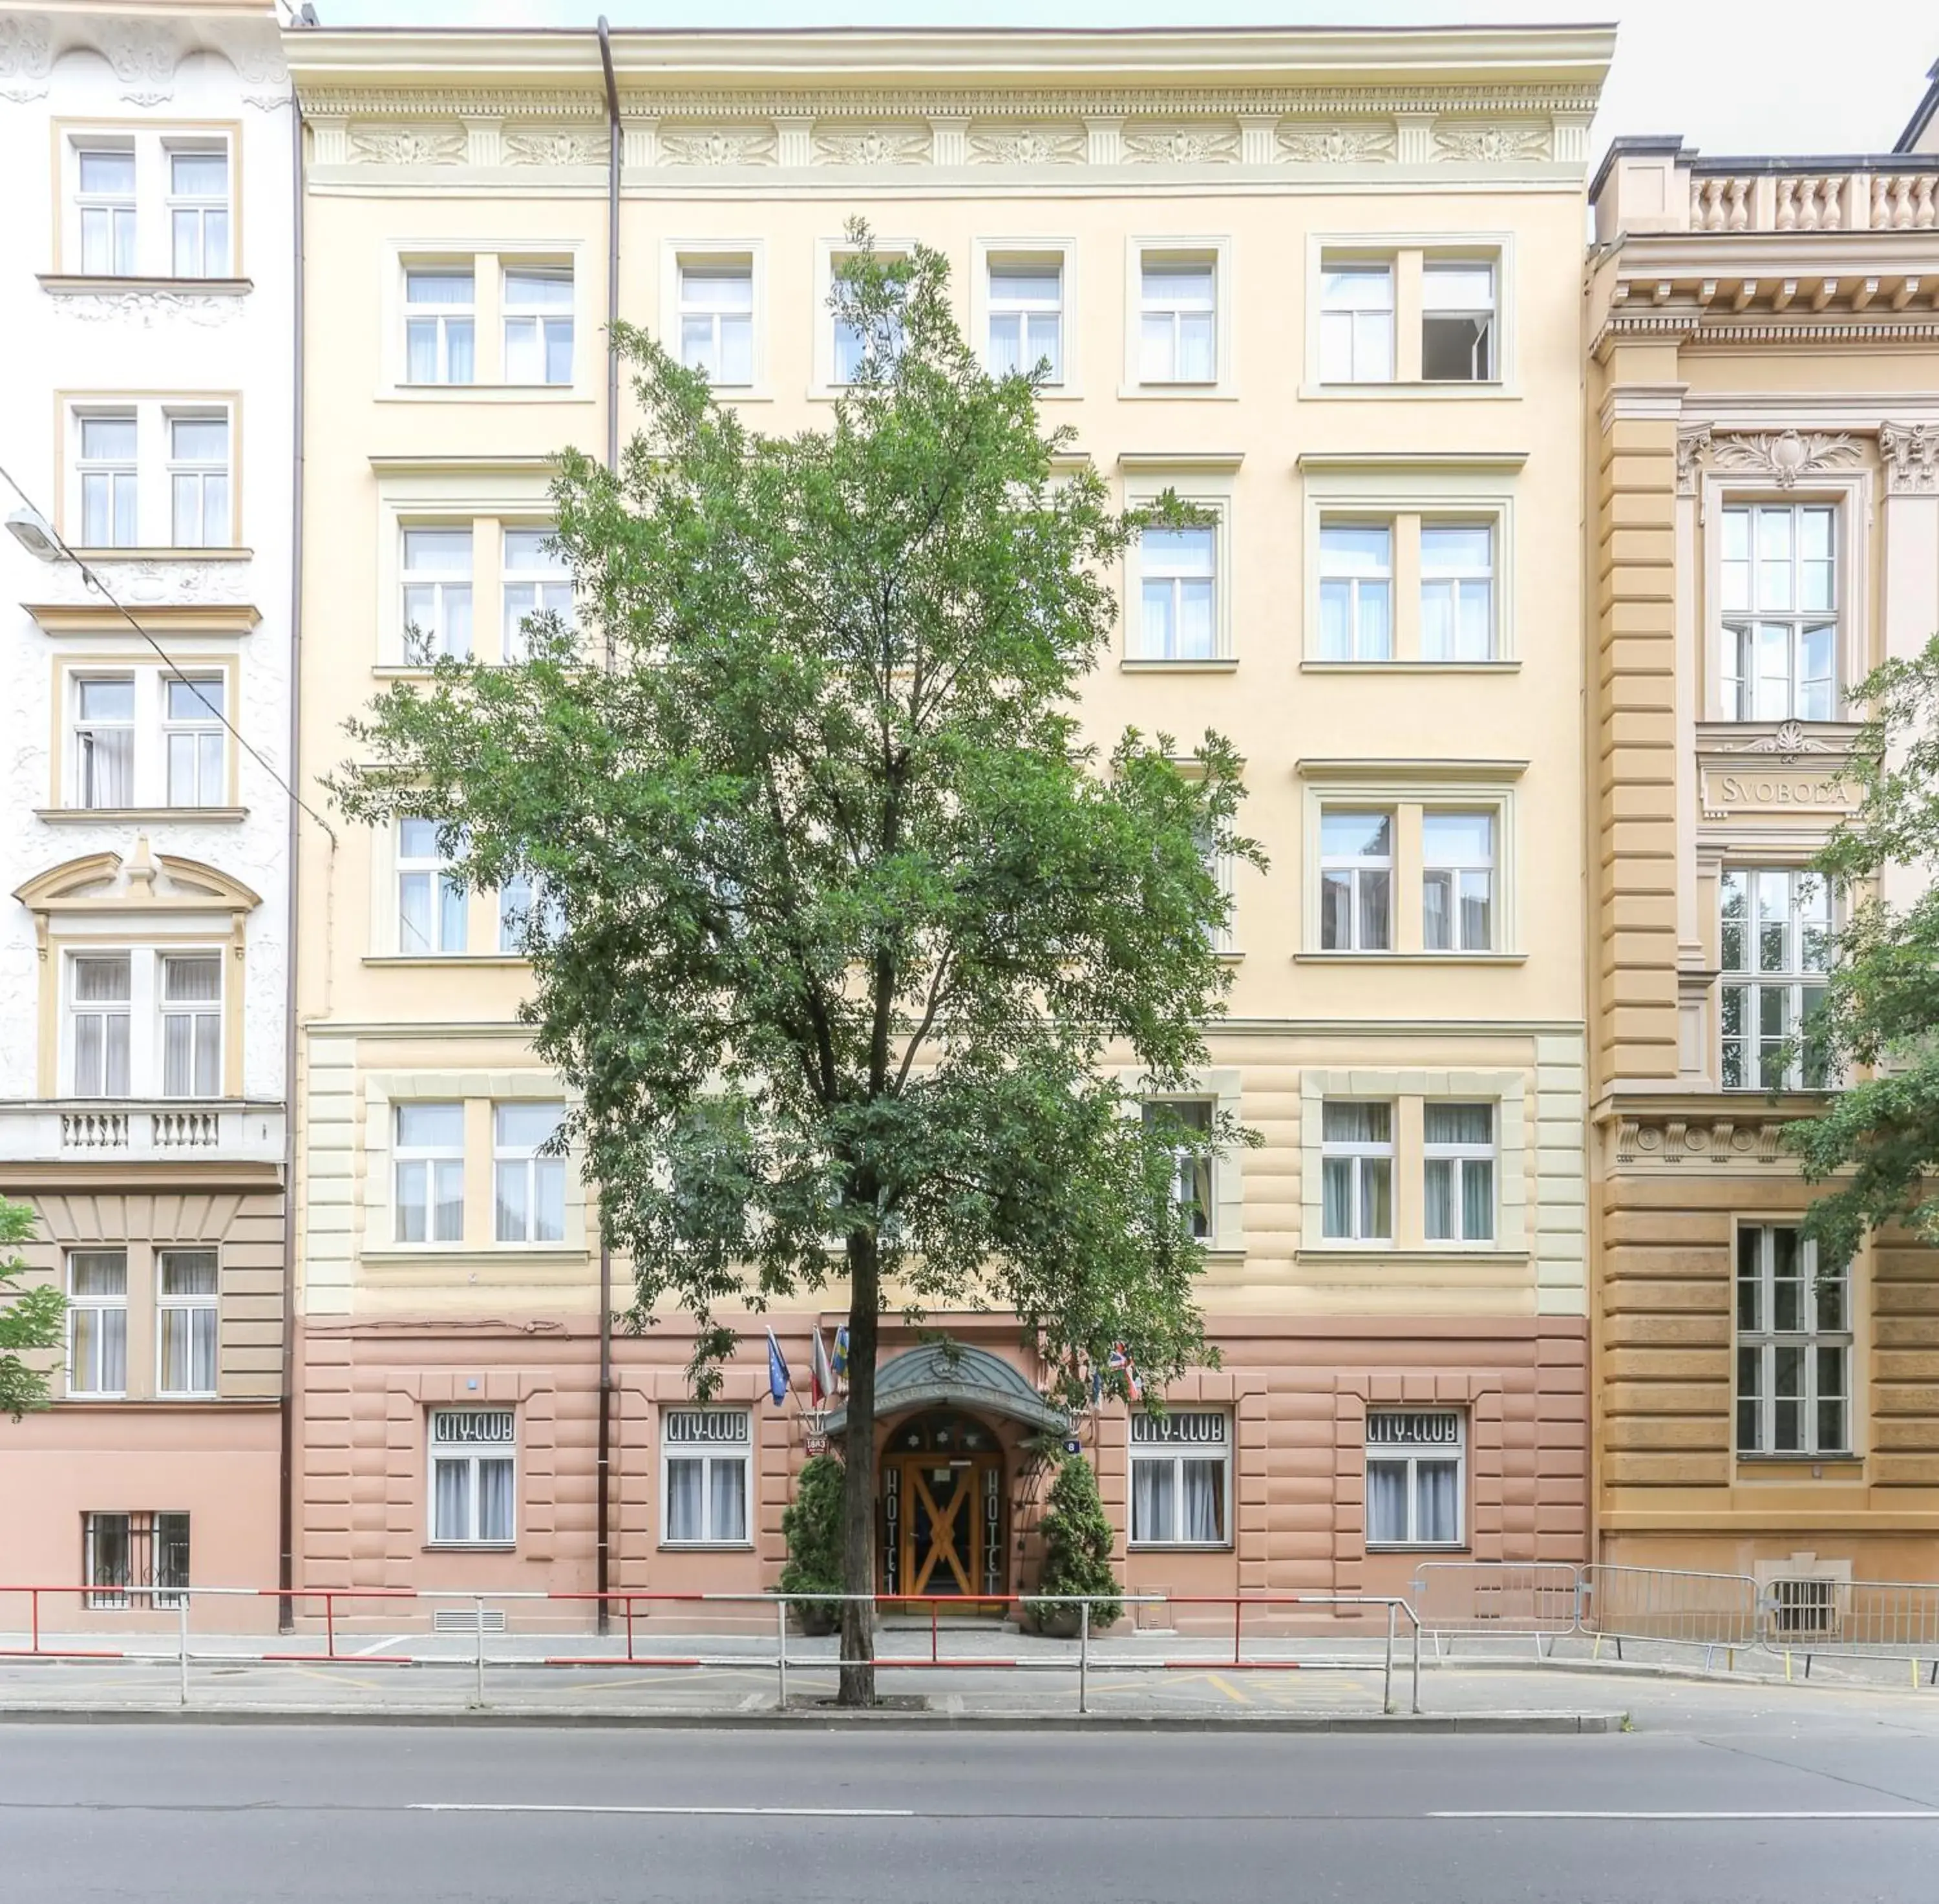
[(1703, 1818), (691, 1811)]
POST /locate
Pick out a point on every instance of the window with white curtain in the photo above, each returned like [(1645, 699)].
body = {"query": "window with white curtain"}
[(187, 1284), (1356, 323), (1776, 944), (198, 212), (105, 199), (706, 1456), (1458, 1173), (1779, 583), (1027, 317), (431, 903), (440, 318), (1457, 591), (1794, 1345), (474, 1465), (191, 1009), (856, 346), (537, 581), (1178, 575), (437, 594), (1356, 881), (524, 903), (428, 1158), (109, 480), (199, 481), (538, 325), (99, 1001), (1192, 1167), (1181, 1478), (97, 1321), (1415, 1461), (1178, 319), (528, 1189), (1355, 591), (1457, 881), (104, 740), (716, 319), (1356, 1162), (195, 739)]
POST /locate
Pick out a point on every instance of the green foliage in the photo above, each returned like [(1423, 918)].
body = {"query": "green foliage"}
[(1077, 1539), (1879, 1136), (811, 1524), (30, 1319)]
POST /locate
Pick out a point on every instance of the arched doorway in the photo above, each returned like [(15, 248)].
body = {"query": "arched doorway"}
[(942, 1517)]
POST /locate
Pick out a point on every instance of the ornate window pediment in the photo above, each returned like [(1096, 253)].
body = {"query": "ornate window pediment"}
[(144, 883)]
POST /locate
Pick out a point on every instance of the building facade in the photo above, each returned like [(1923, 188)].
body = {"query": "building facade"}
[(144, 954), (1326, 285), (1764, 468)]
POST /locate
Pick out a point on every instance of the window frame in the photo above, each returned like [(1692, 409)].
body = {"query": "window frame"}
[(830, 253), (1460, 582), (152, 199), (1412, 1456), (1356, 866), (691, 273), (1792, 985), (1358, 1153), (1157, 1449), (194, 1306), (1739, 628), (1457, 1153), (74, 1007), (440, 316), (1009, 308), (199, 729), (541, 317), (115, 471), (81, 147), (1767, 1341), (437, 872), (470, 1462), (101, 1306), (430, 1157), (1408, 253), (1489, 339), (1201, 1195), (1360, 265), (189, 1008), (161, 1534), (201, 471), (83, 729), (176, 204), (1179, 248), (1354, 582), (1207, 483), (147, 477), (1458, 870), (445, 585), (557, 577), (534, 1167), (708, 1453)]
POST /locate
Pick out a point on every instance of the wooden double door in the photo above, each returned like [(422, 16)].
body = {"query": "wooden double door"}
[(942, 1518)]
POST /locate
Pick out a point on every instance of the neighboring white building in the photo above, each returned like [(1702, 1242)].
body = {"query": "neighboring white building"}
[(147, 303)]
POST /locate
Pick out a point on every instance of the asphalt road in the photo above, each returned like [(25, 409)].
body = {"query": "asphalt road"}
[(239, 1814)]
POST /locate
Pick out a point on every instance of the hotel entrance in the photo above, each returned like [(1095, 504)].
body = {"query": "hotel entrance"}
[(941, 1517)]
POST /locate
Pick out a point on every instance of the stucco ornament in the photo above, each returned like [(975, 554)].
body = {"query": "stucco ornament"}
[(1335, 145), (145, 308), (1027, 145), (1181, 146), (411, 146), (26, 56), (142, 54), (1692, 445), (1788, 740), (155, 583), (555, 149), (876, 147), (751, 146), (1911, 455), (1491, 145), (1784, 455)]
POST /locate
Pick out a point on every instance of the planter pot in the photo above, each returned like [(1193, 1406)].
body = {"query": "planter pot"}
[(815, 1619), (1065, 1622)]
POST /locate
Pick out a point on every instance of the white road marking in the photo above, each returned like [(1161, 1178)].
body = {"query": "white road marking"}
[(690, 1811), (1700, 1817), (378, 1646)]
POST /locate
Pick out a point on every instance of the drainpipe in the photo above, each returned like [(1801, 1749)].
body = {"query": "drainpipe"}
[(286, 1493), (602, 1579)]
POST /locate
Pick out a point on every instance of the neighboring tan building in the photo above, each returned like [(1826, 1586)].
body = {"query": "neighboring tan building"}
[(1326, 283), (1764, 457), (147, 309)]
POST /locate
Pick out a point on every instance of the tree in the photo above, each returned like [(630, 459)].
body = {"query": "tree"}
[(29, 1318), (1881, 1003), (1077, 1544), (848, 917), (811, 1524)]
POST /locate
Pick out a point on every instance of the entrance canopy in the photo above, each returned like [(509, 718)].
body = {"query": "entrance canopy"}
[(949, 1374)]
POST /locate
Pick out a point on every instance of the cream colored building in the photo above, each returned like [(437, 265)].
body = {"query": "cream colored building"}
[(1763, 455), (1326, 284)]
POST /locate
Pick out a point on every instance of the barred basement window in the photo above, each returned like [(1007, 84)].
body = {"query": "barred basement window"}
[(131, 1558), (1803, 1609)]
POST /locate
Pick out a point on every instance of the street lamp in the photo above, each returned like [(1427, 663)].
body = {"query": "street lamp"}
[(35, 534)]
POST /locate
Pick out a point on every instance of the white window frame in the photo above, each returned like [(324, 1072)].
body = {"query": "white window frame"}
[(210, 483), (1353, 583), (1360, 1155), (1020, 313), (1413, 1455), (1357, 867), (719, 254), (442, 316), (206, 1022), (1408, 253), (1808, 909), (75, 1009), (1206, 482), (694, 273), (435, 871), (1154, 572), (1759, 1344), (432, 1159), (1172, 1439), (87, 1382), (209, 772), (87, 733), (121, 476), (830, 253), (1041, 250), (121, 211), (1444, 263), (549, 588), (525, 1163), (517, 899), (1181, 249), (1738, 675), (470, 1456), (1460, 584), (708, 1453), (1455, 1155), (1455, 870), (1195, 1184), (149, 206), (142, 484), (539, 320), (447, 585), (1334, 321), (200, 1314), (199, 207)]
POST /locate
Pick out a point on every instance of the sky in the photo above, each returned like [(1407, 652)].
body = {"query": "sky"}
[(1733, 76)]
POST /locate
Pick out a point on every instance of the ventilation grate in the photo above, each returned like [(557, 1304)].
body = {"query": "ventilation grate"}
[(1804, 1609), (467, 1619)]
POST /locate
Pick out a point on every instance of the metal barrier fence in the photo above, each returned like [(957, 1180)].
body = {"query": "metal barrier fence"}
[(1389, 1621), (1506, 1599)]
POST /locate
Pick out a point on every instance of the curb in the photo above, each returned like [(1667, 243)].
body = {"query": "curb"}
[(572, 1719)]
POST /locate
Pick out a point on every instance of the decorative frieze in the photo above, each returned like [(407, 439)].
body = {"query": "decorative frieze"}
[(1911, 455), (873, 145), (146, 306), (1783, 455), (1027, 145), (1493, 144), (737, 145), (26, 56), (555, 148), (1181, 145), (407, 145), (1700, 1140), (1336, 145)]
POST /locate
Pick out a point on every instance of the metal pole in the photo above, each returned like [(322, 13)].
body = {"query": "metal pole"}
[(1387, 1673), (477, 1611), (181, 1644), (1416, 1666), (781, 1654), (1084, 1657)]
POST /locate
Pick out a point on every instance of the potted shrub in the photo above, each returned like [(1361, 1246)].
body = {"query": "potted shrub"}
[(811, 1523), (1076, 1555)]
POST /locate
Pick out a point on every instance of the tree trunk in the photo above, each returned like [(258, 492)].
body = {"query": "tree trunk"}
[(858, 1517)]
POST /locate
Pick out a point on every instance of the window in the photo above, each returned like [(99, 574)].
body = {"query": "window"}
[(192, 1026), (1027, 317), (1356, 324), (1191, 1175), (1794, 1340), (199, 213), (472, 1464), (1357, 1171), (193, 734), (1457, 321), (1356, 881), (430, 1173), (528, 1189), (717, 321), (98, 1009), (1355, 591), (104, 738), (854, 347), (106, 202), (1457, 881), (1178, 572), (438, 326), (517, 899), (1458, 1173), (1457, 591), (1776, 943), (199, 481), (1181, 1479), (536, 582), (109, 515), (538, 328), (437, 594), (1177, 320), (186, 1282), (127, 1557), (704, 1458), (1780, 603), (431, 905), (1414, 1479), (97, 1321)]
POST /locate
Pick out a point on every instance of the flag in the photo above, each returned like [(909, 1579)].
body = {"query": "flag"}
[(841, 1353), (778, 1371), (821, 1373), (1120, 1359)]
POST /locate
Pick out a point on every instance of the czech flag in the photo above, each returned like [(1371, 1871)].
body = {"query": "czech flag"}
[(777, 1372), (1120, 1359), (821, 1373)]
